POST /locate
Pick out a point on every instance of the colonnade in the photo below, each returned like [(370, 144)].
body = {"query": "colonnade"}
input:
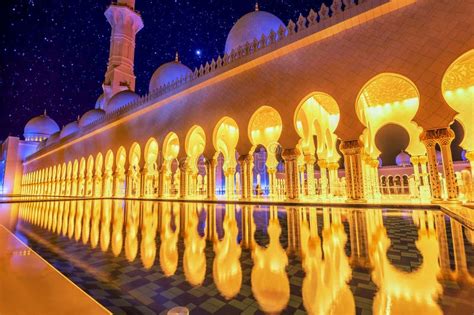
[(307, 171)]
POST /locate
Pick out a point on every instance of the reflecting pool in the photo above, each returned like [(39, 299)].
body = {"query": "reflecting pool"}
[(148, 257)]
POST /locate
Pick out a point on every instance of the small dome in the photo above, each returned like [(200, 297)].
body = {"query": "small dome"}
[(90, 116), (40, 128), (250, 26), (167, 73), (120, 100), (403, 159), (100, 103), (53, 139), (69, 129)]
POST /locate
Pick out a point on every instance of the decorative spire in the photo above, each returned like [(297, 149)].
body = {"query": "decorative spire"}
[(256, 6), (176, 58), (45, 114), (78, 117)]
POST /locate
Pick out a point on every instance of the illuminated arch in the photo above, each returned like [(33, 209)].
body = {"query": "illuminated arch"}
[(151, 168), (194, 145), (458, 91), (108, 174), (68, 178), (134, 182), (120, 160), (82, 177), (225, 138), (389, 98), (89, 175), (171, 146), (99, 163)]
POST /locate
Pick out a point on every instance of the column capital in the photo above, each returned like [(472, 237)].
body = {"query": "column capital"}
[(470, 155), (322, 164), (309, 158), (290, 154), (442, 136), (333, 166), (351, 147)]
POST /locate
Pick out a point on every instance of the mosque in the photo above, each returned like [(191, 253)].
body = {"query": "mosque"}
[(290, 111)]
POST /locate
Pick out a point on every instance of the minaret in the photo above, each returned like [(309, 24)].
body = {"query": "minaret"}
[(126, 23)]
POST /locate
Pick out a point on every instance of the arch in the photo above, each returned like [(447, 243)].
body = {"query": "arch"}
[(82, 177), (99, 162), (265, 127), (225, 138), (170, 151), (120, 180), (194, 145), (171, 146), (134, 182), (151, 168), (458, 91), (389, 98), (108, 180), (317, 115)]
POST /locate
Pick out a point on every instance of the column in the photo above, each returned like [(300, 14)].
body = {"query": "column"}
[(415, 161), (183, 179), (374, 164), (445, 139), (211, 179), (324, 177), (290, 156), (470, 158), (427, 137), (301, 179), (229, 182), (245, 175), (353, 169), (333, 178), (309, 160), (162, 181)]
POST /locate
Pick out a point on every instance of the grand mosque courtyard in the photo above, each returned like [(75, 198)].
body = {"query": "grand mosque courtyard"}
[(321, 163)]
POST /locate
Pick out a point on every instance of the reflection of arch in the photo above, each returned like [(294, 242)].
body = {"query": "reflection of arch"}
[(458, 91), (389, 98)]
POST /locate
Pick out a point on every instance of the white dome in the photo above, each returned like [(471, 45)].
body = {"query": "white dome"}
[(251, 26), (90, 116), (121, 99), (69, 129), (40, 128), (100, 103), (53, 138), (167, 73), (403, 159)]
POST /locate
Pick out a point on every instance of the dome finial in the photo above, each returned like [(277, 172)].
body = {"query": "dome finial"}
[(176, 58), (256, 6)]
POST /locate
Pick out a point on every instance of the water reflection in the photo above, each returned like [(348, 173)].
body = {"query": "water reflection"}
[(325, 245)]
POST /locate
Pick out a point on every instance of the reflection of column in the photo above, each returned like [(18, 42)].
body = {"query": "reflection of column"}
[(293, 229), (309, 161), (429, 140), (353, 169), (291, 173), (445, 139), (443, 244), (358, 237)]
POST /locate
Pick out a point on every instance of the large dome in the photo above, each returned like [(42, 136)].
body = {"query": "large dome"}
[(250, 26), (40, 128), (121, 99), (403, 159), (90, 116), (167, 73), (69, 129)]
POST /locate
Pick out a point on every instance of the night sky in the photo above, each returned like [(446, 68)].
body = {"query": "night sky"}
[(54, 53)]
